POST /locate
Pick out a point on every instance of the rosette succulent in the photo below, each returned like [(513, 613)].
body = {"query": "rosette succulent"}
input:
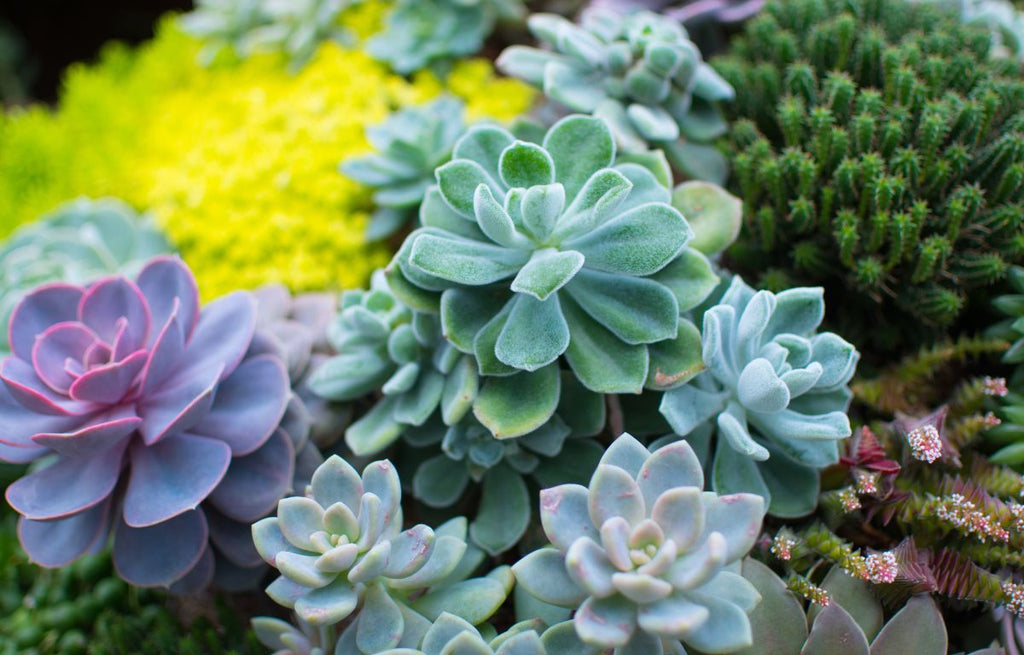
[(411, 144), (776, 391), (451, 635), (646, 555), (342, 548), (432, 33), (530, 252), (78, 242), (640, 72), (158, 421)]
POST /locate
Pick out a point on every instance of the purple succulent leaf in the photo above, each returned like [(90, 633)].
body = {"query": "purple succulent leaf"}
[(297, 421), (234, 579), (124, 342), (109, 300), (101, 433), (180, 405), (165, 352), (163, 281), (248, 405), (68, 486), (158, 555), (233, 539), (28, 392), (273, 301), (43, 307), (54, 347), (20, 454), (254, 483), (172, 477), (18, 424), (198, 578), (111, 383), (58, 543), (96, 354), (222, 335)]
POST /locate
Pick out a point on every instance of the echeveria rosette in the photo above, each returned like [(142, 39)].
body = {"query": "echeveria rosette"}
[(157, 420), (776, 392), (531, 252), (638, 71), (410, 145), (423, 34), (648, 558), (341, 548), (383, 345), (451, 635), (78, 242)]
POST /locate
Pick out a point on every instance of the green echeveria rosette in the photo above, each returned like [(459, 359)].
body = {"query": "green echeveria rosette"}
[(531, 252), (648, 558), (641, 73), (410, 145), (450, 635), (423, 34), (78, 242), (776, 391)]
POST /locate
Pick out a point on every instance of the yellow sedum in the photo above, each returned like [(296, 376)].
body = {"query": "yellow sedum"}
[(239, 163)]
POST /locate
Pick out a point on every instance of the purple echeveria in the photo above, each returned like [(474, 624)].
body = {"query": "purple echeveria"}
[(160, 423)]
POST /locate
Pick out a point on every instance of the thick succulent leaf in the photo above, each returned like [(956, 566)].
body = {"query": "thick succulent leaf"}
[(679, 513), (674, 617), (565, 515), (440, 481), (737, 517), (463, 261), (464, 312), (327, 605), (636, 310), (601, 361), (777, 623), (688, 406), (673, 465), (760, 389), (46, 306), (714, 214), (66, 487), (547, 271), (158, 555), (444, 559), (562, 638), (569, 85), (416, 405), (690, 277), (855, 596), (640, 241), (519, 404), (535, 334), (614, 492), (726, 630), (380, 621), (179, 406), (543, 574), (525, 63), (486, 340), (460, 390), (579, 146), (608, 622), (335, 481), (541, 208), (474, 600), (484, 145), (58, 543), (109, 300), (457, 181), (526, 165), (598, 200), (222, 336), (733, 430), (410, 550), (733, 472), (790, 428), (495, 221), (835, 633), (376, 430), (792, 488), (590, 569), (106, 431), (797, 311), (838, 359), (675, 362), (917, 628), (504, 512)]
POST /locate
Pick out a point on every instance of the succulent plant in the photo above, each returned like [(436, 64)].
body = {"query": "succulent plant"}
[(1001, 18), (226, 25), (157, 423), (530, 252), (1011, 329), (851, 623), (411, 144), (878, 152), (78, 242), (423, 34), (776, 391), (451, 634), (641, 73), (646, 555), (714, 214)]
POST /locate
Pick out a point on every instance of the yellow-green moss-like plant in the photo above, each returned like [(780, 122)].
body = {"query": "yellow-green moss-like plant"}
[(239, 162)]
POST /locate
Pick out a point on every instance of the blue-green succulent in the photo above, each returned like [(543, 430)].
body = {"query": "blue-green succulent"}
[(650, 560), (775, 392), (640, 72), (451, 635), (533, 252)]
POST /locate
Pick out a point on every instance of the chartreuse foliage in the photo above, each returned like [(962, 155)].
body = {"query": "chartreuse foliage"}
[(775, 393), (78, 242), (258, 158), (640, 72), (647, 557), (879, 151), (530, 252)]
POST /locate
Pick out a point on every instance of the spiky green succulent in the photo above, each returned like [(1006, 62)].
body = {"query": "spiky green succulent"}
[(531, 252), (879, 152), (78, 242), (423, 34), (410, 145), (1001, 18), (774, 390), (640, 72), (647, 557)]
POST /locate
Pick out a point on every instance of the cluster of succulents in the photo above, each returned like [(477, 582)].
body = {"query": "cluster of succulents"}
[(640, 73), (877, 152)]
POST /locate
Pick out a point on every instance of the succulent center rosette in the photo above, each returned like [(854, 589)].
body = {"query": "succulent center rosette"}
[(540, 251), (156, 421), (648, 557), (776, 390)]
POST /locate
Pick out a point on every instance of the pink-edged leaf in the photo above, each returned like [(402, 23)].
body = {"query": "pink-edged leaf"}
[(172, 476), (26, 390), (249, 405), (178, 406), (97, 354), (254, 483), (102, 432), (199, 577), (46, 306), (233, 539), (109, 300), (124, 341), (20, 454), (163, 280), (223, 334), (18, 423), (111, 383), (54, 544), (54, 347), (165, 353), (68, 486), (160, 555)]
